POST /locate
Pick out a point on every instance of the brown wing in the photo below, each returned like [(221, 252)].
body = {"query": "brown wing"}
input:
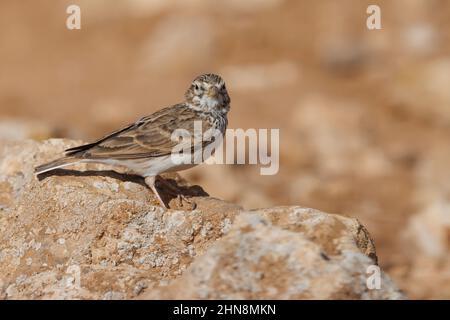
[(148, 137)]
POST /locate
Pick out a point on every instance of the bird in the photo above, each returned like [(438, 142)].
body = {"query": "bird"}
[(145, 146)]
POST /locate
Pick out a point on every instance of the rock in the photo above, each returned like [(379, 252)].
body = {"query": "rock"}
[(101, 235), (283, 253), (335, 132), (261, 77), (426, 235), (193, 35), (421, 88), (429, 230), (427, 240), (19, 129), (420, 38)]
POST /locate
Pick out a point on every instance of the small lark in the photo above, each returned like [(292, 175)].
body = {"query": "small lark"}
[(145, 147)]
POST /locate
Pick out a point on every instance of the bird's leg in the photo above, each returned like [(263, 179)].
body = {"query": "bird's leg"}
[(176, 192), (150, 181)]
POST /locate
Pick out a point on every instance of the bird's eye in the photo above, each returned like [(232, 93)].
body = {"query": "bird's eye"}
[(197, 87)]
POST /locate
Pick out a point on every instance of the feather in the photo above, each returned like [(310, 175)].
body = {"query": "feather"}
[(58, 163), (149, 137)]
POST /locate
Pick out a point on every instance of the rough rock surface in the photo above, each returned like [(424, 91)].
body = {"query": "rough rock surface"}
[(95, 235), (283, 253)]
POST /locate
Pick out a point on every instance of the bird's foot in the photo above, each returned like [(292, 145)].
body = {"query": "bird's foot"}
[(183, 199), (174, 191), (177, 193)]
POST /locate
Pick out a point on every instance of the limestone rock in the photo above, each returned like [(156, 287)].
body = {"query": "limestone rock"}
[(19, 129), (92, 233), (284, 253), (427, 242), (95, 229)]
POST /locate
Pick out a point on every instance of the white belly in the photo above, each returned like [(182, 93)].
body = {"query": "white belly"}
[(148, 167)]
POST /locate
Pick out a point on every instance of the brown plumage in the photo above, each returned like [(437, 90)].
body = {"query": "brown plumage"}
[(145, 146)]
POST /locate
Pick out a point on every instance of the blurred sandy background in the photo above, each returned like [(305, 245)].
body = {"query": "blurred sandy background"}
[(364, 116)]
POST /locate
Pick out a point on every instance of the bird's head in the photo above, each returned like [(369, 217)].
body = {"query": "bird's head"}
[(208, 93)]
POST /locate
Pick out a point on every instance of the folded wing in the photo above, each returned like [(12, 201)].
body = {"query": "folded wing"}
[(148, 137)]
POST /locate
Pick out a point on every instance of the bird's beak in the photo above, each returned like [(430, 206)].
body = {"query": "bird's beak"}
[(213, 92)]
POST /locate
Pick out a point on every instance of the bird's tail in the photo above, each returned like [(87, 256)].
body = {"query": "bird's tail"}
[(58, 163)]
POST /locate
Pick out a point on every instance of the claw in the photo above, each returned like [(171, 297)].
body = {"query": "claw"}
[(182, 198), (150, 181)]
